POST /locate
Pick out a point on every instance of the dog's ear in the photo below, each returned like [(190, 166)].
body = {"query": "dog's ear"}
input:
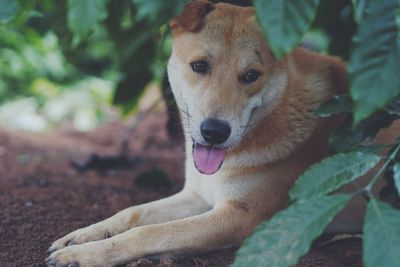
[(338, 75), (192, 17)]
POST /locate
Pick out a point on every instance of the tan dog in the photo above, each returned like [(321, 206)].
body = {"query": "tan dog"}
[(250, 132)]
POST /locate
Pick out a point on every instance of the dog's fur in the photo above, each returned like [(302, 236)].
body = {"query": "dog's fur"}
[(275, 137)]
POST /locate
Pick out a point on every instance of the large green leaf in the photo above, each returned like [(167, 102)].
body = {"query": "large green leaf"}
[(158, 12), (381, 242), (284, 22), (331, 173), (8, 10), (84, 15), (375, 60), (396, 176), (281, 240)]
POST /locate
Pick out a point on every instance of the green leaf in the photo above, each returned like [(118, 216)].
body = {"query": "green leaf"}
[(331, 173), (375, 60), (158, 12), (338, 104), (8, 10), (284, 22), (281, 240), (381, 243), (396, 176), (85, 15)]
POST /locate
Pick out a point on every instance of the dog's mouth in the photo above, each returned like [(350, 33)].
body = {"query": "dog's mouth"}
[(208, 159)]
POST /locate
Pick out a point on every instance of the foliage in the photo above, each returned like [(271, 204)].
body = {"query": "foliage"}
[(381, 235), (25, 57), (8, 10), (124, 42), (373, 102), (331, 173), (49, 48), (274, 245), (283, 37), (374, 61), (158, 12), (83, 16)]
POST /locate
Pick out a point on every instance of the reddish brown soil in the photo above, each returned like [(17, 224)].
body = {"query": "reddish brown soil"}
[(43, 198)]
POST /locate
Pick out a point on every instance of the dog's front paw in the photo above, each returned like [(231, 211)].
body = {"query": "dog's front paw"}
[(65, 257), (79, 236), (88, 254)]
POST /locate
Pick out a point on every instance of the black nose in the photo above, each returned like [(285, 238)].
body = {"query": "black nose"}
[(215, 131)]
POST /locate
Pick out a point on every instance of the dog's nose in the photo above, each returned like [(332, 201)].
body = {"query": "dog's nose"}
[(215, 131)]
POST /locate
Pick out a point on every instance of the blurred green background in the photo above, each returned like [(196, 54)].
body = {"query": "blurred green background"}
[(76, 60)]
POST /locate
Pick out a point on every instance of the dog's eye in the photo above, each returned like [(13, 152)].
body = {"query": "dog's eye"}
[(250, 76), (199, 66)]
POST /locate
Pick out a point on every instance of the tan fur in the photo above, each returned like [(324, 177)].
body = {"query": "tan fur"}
[(275, 137)]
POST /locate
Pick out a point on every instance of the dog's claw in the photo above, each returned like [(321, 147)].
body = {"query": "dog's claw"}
[(51, 261), (51, 249), (55, 263)]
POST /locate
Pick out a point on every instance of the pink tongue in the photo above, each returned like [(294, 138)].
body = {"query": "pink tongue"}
[(208, 159)]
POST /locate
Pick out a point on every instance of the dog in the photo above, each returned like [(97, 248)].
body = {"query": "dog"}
[(250, 131)]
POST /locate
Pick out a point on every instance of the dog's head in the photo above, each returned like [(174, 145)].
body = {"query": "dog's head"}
[(222, 74), (223, 77)]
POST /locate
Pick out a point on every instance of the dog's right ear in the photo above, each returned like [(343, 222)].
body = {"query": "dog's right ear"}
[(192, 17)]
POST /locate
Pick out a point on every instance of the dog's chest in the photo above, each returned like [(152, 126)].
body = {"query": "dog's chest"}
[(222, 187)]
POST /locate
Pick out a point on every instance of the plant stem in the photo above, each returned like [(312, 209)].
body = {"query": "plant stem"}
[(368, 188)]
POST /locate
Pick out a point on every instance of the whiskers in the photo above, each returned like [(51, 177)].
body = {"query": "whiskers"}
[(188, 115), (186, 119)]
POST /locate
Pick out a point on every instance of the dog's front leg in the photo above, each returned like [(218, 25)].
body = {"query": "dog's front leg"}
[(183, 204), (225, 225)]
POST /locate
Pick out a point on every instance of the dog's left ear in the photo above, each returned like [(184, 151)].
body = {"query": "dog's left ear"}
[(192, 17)]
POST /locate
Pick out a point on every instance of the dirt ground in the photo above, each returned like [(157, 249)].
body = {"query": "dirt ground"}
[(42, 197)]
